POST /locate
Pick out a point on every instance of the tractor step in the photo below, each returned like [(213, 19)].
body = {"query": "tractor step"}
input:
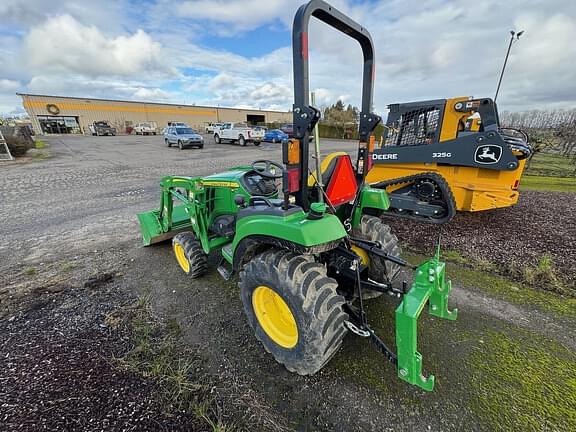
[(225, 272), (225, 269)]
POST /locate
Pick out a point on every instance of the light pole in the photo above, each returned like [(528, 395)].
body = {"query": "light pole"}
[(512, 34)]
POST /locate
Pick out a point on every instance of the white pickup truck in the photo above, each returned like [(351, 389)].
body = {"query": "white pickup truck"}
[(146, 128), (239, 133)]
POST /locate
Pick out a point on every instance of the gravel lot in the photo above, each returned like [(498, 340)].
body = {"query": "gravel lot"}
[(70, 219)]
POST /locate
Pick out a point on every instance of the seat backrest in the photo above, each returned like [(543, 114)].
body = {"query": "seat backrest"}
[(338, 178)]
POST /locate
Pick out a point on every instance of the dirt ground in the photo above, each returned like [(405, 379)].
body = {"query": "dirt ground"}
[(71, 255)]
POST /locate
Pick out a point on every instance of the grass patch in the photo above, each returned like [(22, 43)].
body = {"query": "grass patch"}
[(524, 383), (519, 293), (68, 266), (544, 273), (455, 257), (219, 404), (39, 144), (553, 184), (551, 165), (178, 371), (30, 271)]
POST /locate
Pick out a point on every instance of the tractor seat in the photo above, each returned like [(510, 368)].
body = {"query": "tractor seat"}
[(257, 185), (338, 178)]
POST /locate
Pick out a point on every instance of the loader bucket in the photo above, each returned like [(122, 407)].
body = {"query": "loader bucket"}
[(156, 229)]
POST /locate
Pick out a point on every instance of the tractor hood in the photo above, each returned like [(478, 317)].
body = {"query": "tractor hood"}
[(232, 175)]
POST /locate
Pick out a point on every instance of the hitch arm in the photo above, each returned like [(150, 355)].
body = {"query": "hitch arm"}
[(430, 286)]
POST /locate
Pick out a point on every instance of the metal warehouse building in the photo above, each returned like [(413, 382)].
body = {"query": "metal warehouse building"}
[(66, 115)]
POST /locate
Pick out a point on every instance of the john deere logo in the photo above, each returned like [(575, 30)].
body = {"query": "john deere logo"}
[(53, 109), (488, 154)]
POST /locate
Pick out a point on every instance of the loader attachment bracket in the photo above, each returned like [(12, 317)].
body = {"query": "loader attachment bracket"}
[(430, 286)]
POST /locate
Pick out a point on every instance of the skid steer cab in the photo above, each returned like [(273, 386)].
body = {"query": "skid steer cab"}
[(441, 156), (309, 252)]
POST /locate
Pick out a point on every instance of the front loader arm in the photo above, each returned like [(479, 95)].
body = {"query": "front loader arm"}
[(430, 286)]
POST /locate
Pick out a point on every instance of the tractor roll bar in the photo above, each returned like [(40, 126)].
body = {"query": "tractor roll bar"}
[(305, 117), (334, 18)]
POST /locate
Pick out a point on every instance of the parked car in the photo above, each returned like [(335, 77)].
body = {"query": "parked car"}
[(275, 135), (100, 128), (210, 127), (288, 129), (177, 124), (146, 128), (183, 137), (240, 133)]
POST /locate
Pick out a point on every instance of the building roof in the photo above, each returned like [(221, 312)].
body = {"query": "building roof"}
[(147, 103)]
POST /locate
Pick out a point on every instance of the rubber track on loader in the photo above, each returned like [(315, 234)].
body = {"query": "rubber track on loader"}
[(447, 197)]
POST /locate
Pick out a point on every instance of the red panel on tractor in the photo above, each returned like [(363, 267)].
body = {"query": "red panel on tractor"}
[(293, 180), (342, 186)]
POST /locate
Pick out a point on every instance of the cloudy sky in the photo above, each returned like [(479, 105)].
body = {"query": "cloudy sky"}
[(237, 52)]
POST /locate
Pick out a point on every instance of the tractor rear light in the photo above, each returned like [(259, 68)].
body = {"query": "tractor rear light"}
[(293, 180), (292, 152)]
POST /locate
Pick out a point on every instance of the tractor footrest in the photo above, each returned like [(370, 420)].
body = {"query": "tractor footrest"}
[(224, 272), (224, 268)]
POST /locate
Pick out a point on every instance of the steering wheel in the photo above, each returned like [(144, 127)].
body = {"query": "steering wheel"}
[(267, 168)]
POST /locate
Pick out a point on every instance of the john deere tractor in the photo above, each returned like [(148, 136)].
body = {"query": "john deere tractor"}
[(308, 257)]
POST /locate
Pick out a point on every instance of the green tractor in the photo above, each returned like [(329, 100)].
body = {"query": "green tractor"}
[(309, 255)]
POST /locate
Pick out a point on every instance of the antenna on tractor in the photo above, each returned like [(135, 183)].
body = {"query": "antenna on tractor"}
[(317, 155), (512, 34)]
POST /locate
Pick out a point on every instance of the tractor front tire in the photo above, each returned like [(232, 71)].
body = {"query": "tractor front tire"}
[(293, 308), (190, 255), (373, 229)]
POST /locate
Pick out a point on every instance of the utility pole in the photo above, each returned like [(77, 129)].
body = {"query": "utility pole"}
[(512, 34)]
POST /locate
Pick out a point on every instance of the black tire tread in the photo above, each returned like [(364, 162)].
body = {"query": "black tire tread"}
[(193, 249), (301, 281), (372, 228)]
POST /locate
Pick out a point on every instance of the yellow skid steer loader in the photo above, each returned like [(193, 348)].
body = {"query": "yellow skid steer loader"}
[(436, 157)]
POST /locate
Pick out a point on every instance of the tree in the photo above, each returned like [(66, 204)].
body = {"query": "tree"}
[(344, 119), (552, 130)]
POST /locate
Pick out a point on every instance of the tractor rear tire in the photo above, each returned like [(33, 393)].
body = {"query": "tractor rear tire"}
[(190, 255), (380, 270), (293, 308)]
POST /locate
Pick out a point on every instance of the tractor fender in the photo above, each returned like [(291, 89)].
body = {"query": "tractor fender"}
[(294, 232)]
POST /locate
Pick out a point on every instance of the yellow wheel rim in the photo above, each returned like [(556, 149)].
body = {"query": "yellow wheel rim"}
[(181, 257), (364, 258), (275, 317)]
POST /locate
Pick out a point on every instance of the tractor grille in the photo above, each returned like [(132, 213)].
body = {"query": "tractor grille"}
[(416, 127)]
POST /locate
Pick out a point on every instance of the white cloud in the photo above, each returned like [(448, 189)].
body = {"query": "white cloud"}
[(236, 15), (64, 45), (425, 49), (7, 85)]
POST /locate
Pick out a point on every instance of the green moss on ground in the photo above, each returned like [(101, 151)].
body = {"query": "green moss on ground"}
[(554, 184), (525, 383)]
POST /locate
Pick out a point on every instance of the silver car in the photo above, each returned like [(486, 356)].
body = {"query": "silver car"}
[(183, 137)]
